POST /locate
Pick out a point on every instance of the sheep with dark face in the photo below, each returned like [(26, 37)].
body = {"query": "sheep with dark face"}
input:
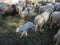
[(57, 7), (24, 28)]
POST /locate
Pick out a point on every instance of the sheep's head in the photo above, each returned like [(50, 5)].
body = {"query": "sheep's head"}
[(31, 25)]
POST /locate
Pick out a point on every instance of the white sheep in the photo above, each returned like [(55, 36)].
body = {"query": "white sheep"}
[(11, 2), (29, 13), (25, 28), (29, 7), (24, 13), (19, 7), (41, 19), (45, 7), (5, 8), (55, 16), (57, 37)]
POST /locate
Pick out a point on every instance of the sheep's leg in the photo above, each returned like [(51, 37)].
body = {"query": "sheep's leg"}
[(57, 42), (22, 34), (36, 26), (41, 27), (26, 34)]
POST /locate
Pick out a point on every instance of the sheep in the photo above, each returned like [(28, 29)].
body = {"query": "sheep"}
[(7, 2), (28, 12), (11, 2), (25, 28), (55, 3), (19, 7), (55, 17), (44, 7), (6, 9), (29, 7), (9, 10), (57, 7), (31, 13), (41, 19), (57, 37), (24, 13), (31, 10)]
